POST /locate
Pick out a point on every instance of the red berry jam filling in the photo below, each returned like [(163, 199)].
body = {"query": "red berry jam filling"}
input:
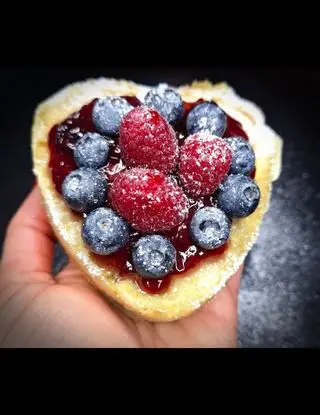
[(62, 139)]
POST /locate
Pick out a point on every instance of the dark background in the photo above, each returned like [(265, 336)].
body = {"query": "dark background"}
[(279, 303)]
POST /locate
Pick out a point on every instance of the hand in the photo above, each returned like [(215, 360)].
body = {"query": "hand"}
[(37, 310)]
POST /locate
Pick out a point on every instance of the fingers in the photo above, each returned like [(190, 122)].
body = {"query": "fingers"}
[(71, 275), (216, 322), (29, 242), (235, 281), (225, 301)]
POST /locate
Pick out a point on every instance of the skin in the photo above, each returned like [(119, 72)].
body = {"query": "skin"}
[(37, 310)]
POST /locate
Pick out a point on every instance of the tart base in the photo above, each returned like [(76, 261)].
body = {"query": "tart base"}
[(188, 293)]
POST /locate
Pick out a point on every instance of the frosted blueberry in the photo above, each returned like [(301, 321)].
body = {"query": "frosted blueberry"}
[(153, 256), (243, 157), (166, 101), (206, 117), (209, 228), (108, 112), (104, 232), (238, 196), (84, 189), (91, 151)]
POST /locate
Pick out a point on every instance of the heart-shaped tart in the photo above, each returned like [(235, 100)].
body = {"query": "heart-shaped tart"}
[(157, 193)]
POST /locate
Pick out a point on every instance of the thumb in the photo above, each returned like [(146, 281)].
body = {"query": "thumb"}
[(29, 243)]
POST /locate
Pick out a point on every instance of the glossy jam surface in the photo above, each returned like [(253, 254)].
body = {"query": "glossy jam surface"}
[(62, 139)]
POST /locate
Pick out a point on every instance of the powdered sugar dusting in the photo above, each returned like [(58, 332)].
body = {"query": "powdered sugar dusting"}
[(204, 161), (154, 256), (149, 200), (84, 189), (167, 101), (91, 150), (210, 227), (239, 196), (104, 232), (147, 140), (108, 113), (206, 117)]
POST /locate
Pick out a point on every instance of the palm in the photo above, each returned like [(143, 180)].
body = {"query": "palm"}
[(37, 310)]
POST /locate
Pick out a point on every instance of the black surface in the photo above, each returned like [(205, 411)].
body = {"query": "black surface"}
[(280, 294)]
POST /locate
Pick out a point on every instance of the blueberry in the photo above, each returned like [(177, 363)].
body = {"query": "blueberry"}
[(91, 151), (84, 189), (153, 256), (104, 232), (243, 157), (108, 112), (209, 228), (166, 101), (206, 117), (238, 196)]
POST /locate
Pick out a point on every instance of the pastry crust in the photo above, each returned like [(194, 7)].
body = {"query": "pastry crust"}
[(202, 282)]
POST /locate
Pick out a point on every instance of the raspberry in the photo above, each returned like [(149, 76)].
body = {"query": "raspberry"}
[(147, 140), (148, 200), (204, 162)]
